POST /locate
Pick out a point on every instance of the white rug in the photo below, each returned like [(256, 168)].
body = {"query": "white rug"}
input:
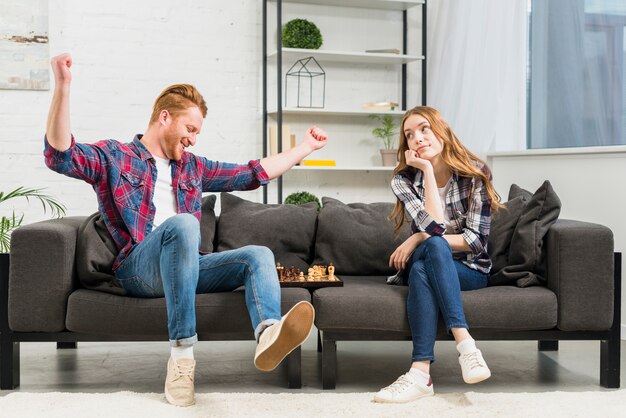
[(252, 405)]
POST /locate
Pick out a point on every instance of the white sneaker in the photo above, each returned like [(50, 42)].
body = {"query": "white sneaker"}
[(405, 389), (474, 367)]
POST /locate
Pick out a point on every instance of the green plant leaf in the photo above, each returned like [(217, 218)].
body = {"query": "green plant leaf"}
[(8, 224)]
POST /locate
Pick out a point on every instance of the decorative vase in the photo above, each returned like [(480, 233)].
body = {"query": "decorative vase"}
[(390, 157)]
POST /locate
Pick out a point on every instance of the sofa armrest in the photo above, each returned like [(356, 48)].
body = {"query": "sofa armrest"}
[(580, 272), (42, 274)]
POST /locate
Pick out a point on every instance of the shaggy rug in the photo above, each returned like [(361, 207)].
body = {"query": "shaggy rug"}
[(470, 404)]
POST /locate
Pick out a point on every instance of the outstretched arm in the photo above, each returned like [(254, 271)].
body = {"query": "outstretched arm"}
[(58, 126), (278, 164)]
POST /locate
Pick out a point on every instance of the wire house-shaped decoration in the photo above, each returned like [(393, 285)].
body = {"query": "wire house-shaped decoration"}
[(308, 73)]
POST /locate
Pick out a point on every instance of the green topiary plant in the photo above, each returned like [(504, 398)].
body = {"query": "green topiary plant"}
[(387, 131), (300, 33), (300, 198)]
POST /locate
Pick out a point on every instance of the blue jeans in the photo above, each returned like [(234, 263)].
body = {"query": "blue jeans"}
[(435, 282), (167, 263)]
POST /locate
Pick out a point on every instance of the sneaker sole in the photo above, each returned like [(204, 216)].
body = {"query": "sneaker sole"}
[(477, 379), (173, 401), (294, 330), (383, 400)]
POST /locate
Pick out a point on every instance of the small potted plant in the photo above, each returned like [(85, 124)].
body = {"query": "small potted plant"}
[(300, 198), (301, 33), (387, 133)]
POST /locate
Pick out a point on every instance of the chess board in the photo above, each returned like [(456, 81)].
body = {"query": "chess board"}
[(316, 277)]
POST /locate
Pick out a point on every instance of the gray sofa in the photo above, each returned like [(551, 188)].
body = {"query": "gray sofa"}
[(567, 288)]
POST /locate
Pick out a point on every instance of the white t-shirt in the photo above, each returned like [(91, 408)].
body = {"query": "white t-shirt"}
[(443, 191), (164, 198)]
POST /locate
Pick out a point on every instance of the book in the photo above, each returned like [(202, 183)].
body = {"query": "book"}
[(384, 51), (319, 162), (288, 141), (380, 106)]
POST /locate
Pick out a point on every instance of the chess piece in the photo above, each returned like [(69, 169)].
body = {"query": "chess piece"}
[(331, 272), (280, 269), (301, 277), (310, 274)]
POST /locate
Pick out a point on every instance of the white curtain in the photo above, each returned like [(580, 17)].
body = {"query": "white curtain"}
[(477, 60)]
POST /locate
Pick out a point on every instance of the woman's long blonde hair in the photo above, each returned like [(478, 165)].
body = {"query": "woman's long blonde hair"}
[(454, 154)]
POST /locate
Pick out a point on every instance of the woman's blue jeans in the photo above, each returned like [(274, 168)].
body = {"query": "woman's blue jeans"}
[(167, 263), (435, 282)]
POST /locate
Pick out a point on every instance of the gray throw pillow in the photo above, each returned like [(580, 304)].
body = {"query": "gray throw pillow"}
[(516, 191), (503, 223), (287, 230), (95, 255), (207, 223), (526, 263), (357, 237)]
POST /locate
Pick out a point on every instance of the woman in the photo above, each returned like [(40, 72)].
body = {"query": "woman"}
[(447, 192)]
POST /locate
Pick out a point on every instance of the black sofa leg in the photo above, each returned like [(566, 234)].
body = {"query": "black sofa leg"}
[(294, 369), (547, 345), (9, 364), (329, 364), (610, 363), (319, 341), (62, 345)]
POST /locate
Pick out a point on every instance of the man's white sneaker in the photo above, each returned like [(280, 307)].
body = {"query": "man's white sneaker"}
[(474, 367), (405, 389)]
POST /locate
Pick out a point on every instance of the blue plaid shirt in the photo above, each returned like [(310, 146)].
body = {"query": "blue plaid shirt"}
[(467, 205)]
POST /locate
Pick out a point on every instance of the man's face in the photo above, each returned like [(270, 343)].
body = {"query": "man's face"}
[(180, 132)]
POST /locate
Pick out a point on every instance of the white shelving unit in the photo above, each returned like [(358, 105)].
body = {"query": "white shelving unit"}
[(339, 113)]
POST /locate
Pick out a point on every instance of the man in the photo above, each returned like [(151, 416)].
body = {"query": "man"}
[(149, 194)]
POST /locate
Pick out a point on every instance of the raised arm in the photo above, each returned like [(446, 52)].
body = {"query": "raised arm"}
[(278, 164), (58, 126)]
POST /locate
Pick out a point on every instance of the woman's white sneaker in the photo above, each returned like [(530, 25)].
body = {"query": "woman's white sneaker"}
[(474, 367), (406, 388)]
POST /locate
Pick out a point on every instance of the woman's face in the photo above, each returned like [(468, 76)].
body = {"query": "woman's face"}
[(420, 138)]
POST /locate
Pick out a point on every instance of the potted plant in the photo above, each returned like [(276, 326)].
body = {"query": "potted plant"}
[(387, 133), (301, 33), (300, 198), (9, 223)]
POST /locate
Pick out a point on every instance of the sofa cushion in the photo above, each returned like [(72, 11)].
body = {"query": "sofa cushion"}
[(287, 230), (207, 223), (368, 304), (218, 314), (503, 224), (526, 264), (357, 237)]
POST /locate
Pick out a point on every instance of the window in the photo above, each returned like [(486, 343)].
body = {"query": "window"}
[(577, 78)]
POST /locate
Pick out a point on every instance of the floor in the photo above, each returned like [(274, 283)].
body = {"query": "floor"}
[(362, 367)]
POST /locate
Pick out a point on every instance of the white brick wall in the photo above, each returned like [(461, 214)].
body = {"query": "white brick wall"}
[(124, 54)]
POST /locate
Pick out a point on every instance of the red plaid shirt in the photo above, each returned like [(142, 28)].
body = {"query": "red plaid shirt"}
[(124, 175)]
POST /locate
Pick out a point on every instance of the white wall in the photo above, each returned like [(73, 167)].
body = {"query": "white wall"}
[(124, 54), (587, 180)]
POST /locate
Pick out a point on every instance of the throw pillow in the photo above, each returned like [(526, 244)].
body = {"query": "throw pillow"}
[(207, 224), (526, 265), (357, 237), (287, 230), (95, 255), (503, 223)]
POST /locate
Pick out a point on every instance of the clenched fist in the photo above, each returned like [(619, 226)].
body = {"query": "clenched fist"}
[(315, 138), (61, 68)]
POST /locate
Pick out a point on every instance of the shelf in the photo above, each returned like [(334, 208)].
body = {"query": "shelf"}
[(294, 54), (336, 112), (365, 4), (342, 168)]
